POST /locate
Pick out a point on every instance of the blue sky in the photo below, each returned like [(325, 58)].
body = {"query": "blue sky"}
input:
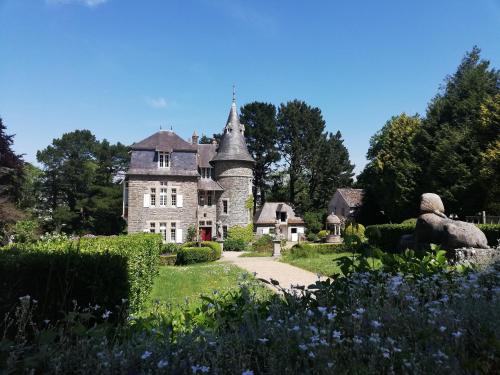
[(122, 68)]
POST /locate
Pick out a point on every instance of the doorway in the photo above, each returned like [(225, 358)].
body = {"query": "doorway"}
[(206, 233)]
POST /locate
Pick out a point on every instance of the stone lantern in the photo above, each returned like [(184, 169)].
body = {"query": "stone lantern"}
[(333, 226)]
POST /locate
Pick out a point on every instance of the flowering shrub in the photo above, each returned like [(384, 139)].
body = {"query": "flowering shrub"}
[(370, 322)]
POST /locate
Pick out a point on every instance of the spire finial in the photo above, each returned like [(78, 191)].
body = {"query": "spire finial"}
[(234, 94)]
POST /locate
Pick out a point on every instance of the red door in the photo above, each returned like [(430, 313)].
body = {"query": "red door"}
[(206, 234)]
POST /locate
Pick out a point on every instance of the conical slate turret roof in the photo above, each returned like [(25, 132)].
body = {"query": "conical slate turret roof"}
[(232, 144)]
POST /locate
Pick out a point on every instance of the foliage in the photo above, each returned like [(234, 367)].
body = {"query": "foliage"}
[(234, 244), (387, 236), (169, 248), (443, 323), (355, 229), (322, 234), (241, 233), (312, 237), (305, 250), (191, 233), (90, 270), (79, 184), (317, 161), (314, 221), (190, 255), (263, 244), (412, 221), (211, 244), (492, 233), (261, 136), (25, 231), (168, 259)]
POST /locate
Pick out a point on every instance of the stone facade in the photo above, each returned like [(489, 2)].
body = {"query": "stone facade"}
[(172, 184)]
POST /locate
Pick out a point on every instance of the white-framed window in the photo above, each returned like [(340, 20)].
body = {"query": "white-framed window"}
[(152, 227), (209, 198), (173, 196), (173, 231), (201, 198), (163, 159), (202, 223), (163, 231), (163, 197), (206, 172), (209, 223), (225, 206), (152, 199)]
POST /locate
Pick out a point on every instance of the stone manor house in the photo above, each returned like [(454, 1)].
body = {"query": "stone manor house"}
[(173, 184)]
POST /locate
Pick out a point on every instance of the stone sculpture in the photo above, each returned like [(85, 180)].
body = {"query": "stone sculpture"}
[(277, 230), (434, 227)]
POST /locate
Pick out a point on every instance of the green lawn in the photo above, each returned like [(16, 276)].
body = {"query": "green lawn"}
[(323, 264), (178, 285), (250, 254)]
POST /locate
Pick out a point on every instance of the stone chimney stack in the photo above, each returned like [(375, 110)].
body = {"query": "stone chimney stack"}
[(194, 138)]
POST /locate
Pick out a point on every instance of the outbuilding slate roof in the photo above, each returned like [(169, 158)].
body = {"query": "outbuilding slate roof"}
[(232, 144), (267, 213), (353, 197), (164, 140)]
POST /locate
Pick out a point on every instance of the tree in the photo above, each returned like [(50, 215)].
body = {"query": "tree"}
[(389, 178), (204, 140), (451, 142), (261, 136), (11, 174)]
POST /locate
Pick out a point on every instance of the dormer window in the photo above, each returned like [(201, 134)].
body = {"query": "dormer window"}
[(163, 159), (206, 172)]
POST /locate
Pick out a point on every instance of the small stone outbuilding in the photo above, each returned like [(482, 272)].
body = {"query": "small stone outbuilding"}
[(271, 213)]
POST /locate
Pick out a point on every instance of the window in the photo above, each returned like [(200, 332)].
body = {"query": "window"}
[(152, 227), (173, 230), (163, 160), (209, 223), (201, 198), (224, 231), (163, 231), (224, 206), (202, 223), (174, 197), (153, 197), (206, 172), (163, 197), (209, 198)]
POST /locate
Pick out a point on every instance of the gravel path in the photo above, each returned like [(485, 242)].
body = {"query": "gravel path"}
[(271, 268)]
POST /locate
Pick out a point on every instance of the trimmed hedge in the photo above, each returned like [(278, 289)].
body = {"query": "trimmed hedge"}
[(232, 244), (190, 255), (102, 271), (306, 250), (386, 236), (238, 232), (168, 259)]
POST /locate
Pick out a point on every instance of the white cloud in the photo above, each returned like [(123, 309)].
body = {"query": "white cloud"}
[(88, 3), (159, 102)]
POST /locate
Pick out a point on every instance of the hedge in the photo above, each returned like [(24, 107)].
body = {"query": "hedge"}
[(103, 271), (190, 255), (306, 250), (168, 259), (387, 236), (231, 244), (241, 233)]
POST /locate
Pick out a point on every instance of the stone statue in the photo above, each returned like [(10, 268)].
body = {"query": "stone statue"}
[(434, 227), (220, 232), (277, 230)]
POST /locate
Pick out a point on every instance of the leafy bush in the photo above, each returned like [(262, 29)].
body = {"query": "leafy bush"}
[(190, 255), (322, 234), (98, 270), (211, 244), (313, 237), (314, 221), (168, 259), (387, 236), (312, 250), (26, 231), (263, 244), (355, 229), (169, 248), (232, 244), (191, 233), (411, 221), (492, 232), (240, 233)]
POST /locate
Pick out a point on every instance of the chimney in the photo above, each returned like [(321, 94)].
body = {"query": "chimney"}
[(194, 138)]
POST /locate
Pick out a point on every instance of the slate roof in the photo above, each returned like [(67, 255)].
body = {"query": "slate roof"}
[(232, 144), (164, 140), (205, 154), (353, 197), (163, 172), (267, 213), (209, 185)]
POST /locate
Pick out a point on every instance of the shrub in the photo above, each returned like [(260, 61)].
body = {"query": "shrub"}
[(231, 244), (211, 244), (99, 270), (411, 221), (387, 236), (263, 244), (312, 250), (355, 229), (314, 221), (191, 233), (190, 255), (240, 233), (313, 237), (169, 248), (322, 234), (26, 231), (492, 232), (168, 259)]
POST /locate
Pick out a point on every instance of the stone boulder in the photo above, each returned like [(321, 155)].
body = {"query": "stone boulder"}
[(461, 234)]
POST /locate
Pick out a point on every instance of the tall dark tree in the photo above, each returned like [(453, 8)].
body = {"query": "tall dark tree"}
[(261, 135), (453, 136), (204, 140)]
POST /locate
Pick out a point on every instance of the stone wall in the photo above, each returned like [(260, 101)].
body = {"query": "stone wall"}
[(139, 216)]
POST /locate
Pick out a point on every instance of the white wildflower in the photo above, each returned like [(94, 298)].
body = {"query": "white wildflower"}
[(146, 354), (322, 309), (247, 372), (336, 334), (331, 316), (106, 314), (376, 324), (303, 347), (457, 334), (162, 363), (311, 355), (263, 340), (442, 328)]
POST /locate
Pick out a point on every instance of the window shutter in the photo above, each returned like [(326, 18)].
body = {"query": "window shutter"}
[(179, 200), (178, 235), (147, 200)]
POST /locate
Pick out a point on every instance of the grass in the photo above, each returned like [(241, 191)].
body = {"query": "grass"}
[(323, 264), (181, 285), (250, 254)]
